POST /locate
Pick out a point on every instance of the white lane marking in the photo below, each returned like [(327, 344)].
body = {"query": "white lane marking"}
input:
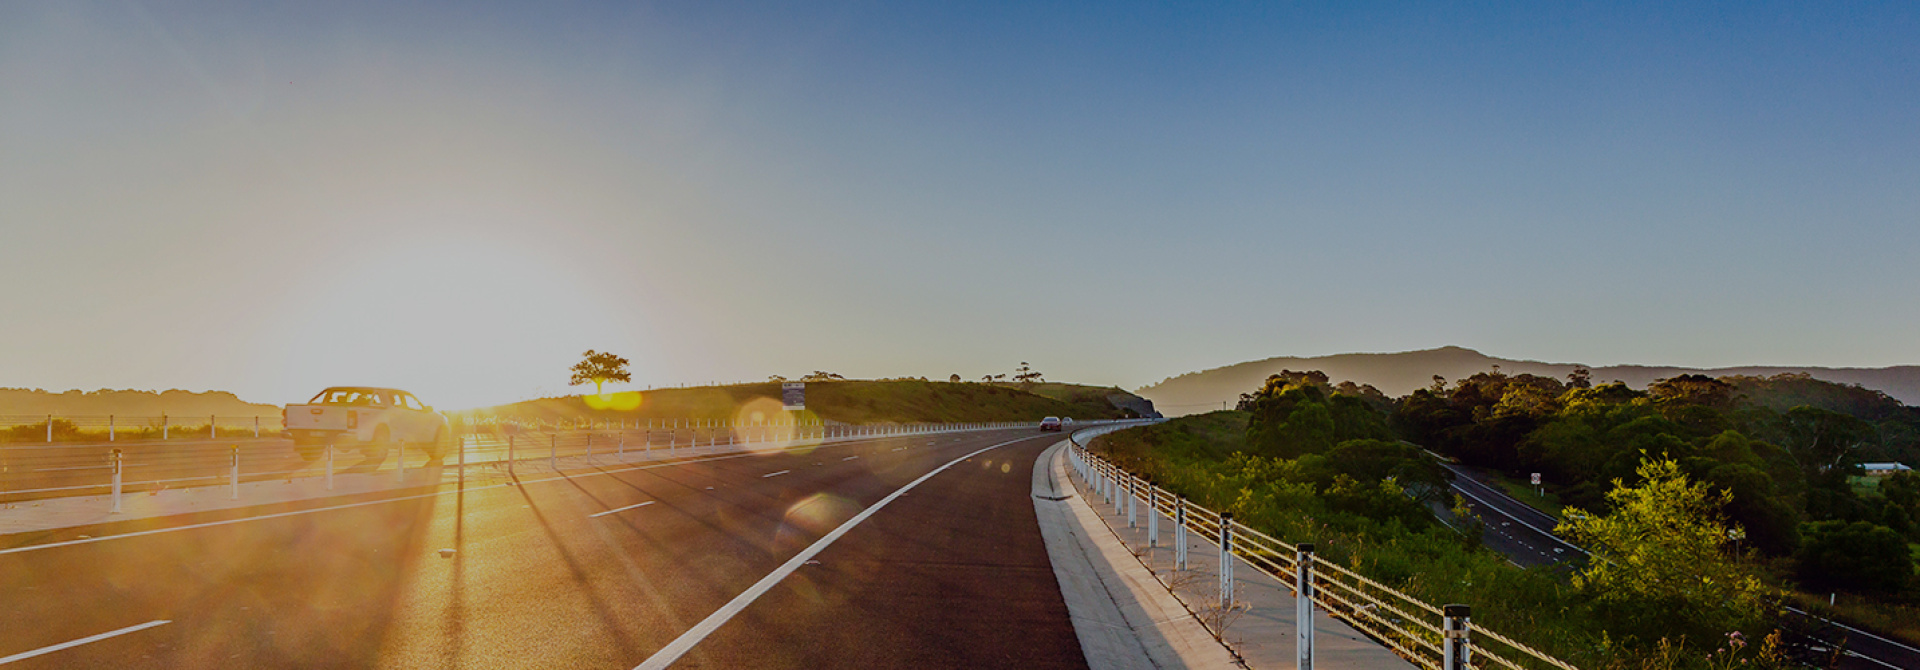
[(849, 458), (382, 501), (619, 509), (85, 640), (898, 448), (775, 474), (1549, 534), (685, 643)]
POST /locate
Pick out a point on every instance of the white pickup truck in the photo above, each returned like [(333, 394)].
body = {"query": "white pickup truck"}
[(371, 419)]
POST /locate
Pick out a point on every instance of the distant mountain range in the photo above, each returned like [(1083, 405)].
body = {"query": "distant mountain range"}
[(1401, 373)]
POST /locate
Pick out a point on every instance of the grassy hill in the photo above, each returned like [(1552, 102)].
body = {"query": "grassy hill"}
[(29, 402), (856, 402)]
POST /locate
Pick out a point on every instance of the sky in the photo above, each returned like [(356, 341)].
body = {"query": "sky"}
[(459, 199)]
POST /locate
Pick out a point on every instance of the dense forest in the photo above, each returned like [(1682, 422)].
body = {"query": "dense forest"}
[(1727, 496)]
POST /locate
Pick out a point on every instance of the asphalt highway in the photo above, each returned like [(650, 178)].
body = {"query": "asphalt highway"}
[(33, 470), (601, 568)]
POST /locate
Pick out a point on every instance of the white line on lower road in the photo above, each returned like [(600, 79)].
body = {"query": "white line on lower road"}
[(619, 509), (775, 474), (85, 640), (683, 644), (849, 458)]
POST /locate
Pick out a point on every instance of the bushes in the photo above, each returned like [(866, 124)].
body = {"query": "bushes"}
[(1855, 556)]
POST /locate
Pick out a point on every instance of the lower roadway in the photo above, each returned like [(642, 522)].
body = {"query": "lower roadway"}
[(603, 568)]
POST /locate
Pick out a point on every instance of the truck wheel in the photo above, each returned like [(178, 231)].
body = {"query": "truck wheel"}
[(377, 449)]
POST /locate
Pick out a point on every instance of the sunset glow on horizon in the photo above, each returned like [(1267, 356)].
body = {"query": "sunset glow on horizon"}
[(458, 200)]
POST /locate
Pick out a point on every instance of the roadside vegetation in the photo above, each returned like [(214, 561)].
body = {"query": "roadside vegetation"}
[(849, 401), (1727, 497)]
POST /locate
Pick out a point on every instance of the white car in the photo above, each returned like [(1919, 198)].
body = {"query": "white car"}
[(371, 419)]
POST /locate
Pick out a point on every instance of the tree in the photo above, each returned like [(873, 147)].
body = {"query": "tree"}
[(1854, 555), (955, 379), (600, 368), (1658, 565), (776, 378), (1025, 374)]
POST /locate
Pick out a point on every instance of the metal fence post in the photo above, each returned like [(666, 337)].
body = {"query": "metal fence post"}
[(329, 466), (165, 426), (213, 427), (620, 448), (400, 464), (1226, 560), (1153, 515), (109, 427), (1133, 506), (510, 440), (553, 452), (235, 494), (256, 426), (49, 427), (1458, 652), (1303, 606), (589, 447), (116, 481), (1179, 533)]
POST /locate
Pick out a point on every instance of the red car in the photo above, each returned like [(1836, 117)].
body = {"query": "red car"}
[(1050, 423)]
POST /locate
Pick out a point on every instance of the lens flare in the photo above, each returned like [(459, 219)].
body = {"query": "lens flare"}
[(764, 425), (625, 401)]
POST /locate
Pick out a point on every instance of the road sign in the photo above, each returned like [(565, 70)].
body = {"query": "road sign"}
[(794, 396), (1536, 479)]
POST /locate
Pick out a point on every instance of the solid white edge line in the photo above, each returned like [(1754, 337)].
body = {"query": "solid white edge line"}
[(686, 641), (849, 458), (619, 509), (85, 640), (775, 474)]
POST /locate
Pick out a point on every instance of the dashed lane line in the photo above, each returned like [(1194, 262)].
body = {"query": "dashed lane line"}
[(619, 509)]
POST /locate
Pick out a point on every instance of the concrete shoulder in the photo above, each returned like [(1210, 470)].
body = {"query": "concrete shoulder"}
[(1124, 617)]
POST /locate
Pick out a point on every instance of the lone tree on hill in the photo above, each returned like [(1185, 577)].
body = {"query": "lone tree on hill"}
[(600, 368), (955, 379), (1025, 374)]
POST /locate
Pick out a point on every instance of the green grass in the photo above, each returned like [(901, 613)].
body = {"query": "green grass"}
[(1865, 487), (856, 402)]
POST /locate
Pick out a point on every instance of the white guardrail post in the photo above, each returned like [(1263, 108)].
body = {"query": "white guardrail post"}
[(1303, 606), (553, 450), (329, 466), (1133, 500), (1458, 651), (1153, 515), (1179, 533), (235, 493), (1226, 561), (511, 439), (116, 480), (400, 471)]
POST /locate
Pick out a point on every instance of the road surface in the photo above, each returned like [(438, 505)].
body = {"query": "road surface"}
[(603, 568)]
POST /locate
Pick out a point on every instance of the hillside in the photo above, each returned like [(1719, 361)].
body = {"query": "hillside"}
[(1398, 374), (31, 402), (856, 402)]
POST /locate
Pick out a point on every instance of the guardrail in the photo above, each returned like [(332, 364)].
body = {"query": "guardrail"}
[(37, 470), (1440, 638), (49, 428)]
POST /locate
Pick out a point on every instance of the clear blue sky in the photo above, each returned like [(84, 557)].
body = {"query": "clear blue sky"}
[(460, 199)]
